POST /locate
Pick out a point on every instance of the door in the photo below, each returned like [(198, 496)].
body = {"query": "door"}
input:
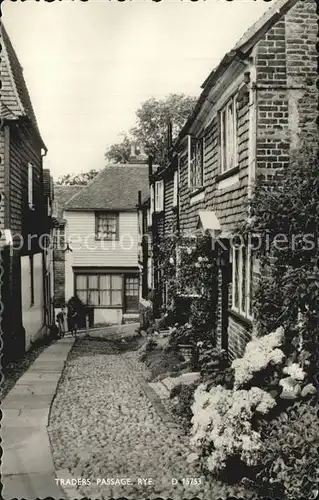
[(131, 293)]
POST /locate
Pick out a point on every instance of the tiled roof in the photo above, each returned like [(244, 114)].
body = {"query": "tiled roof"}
[(116, 187), (15, 98), (62, 194)]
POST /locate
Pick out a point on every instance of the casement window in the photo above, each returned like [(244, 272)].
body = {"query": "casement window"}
[(30, 185), (152, 202), (99, 289), (107, 226), (185, 288), (149, 273), (195, 162), (228, 131), (242, 280), (159, 196), (175, 191), (31, 280)]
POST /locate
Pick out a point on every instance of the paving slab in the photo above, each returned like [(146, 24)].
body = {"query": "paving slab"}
[(27, 464)]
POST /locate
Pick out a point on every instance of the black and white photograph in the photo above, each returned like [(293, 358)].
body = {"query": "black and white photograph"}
[(159, 249)]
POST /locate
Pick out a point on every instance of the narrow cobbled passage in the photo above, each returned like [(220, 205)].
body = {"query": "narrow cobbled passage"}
[(102, 425)]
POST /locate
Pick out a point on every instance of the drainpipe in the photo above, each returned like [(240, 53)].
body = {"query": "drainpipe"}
[(253, 124), (46, 306)]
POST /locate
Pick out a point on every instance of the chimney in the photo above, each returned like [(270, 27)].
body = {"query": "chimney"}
[(133, 154), (142, 156)]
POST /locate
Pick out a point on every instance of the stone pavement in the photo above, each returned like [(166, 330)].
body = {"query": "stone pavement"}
[(27, 466)]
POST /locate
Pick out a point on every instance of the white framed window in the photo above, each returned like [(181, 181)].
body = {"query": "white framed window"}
[(242, 285), (149, 217), (107, 226), (30, 185), (175, 189), (149, 273), (159, 196), (228, 135), (195, 162), (152, 202)]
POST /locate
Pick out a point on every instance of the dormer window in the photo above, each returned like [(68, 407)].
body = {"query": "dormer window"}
[(195, 162), (30, 185)]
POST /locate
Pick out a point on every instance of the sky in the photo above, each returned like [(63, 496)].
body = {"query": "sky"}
[(90, 65)]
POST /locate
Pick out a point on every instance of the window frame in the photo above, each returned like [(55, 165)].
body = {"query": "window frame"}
[(245, 285), (159, 196), (99, 290), (191, 162), (97, 214), (175, 188), (224, 167)]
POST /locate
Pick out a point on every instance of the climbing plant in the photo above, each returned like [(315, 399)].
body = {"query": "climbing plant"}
[(189, 273), (284, 216)]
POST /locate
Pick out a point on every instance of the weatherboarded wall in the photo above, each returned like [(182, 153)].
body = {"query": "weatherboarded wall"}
[(87, 251)]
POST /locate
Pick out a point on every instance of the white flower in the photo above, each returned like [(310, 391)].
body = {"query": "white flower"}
[(200, 259), (295, 371), (189, 250), (258, 354), (171, 260)]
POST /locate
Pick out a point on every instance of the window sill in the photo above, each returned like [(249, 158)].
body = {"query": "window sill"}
[(227, 173), (197, 195), (240, 318)]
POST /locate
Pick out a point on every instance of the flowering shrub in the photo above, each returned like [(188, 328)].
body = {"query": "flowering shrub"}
[(222, 424), (258, 355)]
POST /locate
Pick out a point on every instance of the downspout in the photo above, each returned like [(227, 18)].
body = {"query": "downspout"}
[(46, 307), (253, 125)]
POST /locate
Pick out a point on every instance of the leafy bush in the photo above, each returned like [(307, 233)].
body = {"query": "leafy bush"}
[(184, 395), (290, 454)]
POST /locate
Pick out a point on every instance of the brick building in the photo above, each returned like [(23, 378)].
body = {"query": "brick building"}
[(26, 195), (255, 109)]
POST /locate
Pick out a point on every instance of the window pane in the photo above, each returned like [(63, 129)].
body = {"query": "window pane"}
[(105, 282), (105, 298), (93, 282), (82, 294), (93, 298), (81, 282), (116, 298), (116, 282), (107, 225)]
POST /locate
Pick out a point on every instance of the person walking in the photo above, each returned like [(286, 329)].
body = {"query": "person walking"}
[(61, 322), (72, 320)]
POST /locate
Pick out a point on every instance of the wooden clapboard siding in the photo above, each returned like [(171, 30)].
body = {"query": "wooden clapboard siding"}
[(81, 225)]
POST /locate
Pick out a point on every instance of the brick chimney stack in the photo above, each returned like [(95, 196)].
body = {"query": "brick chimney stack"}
[(141, 158)]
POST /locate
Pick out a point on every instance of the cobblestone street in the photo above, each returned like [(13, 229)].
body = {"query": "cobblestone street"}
[(103, 425)]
